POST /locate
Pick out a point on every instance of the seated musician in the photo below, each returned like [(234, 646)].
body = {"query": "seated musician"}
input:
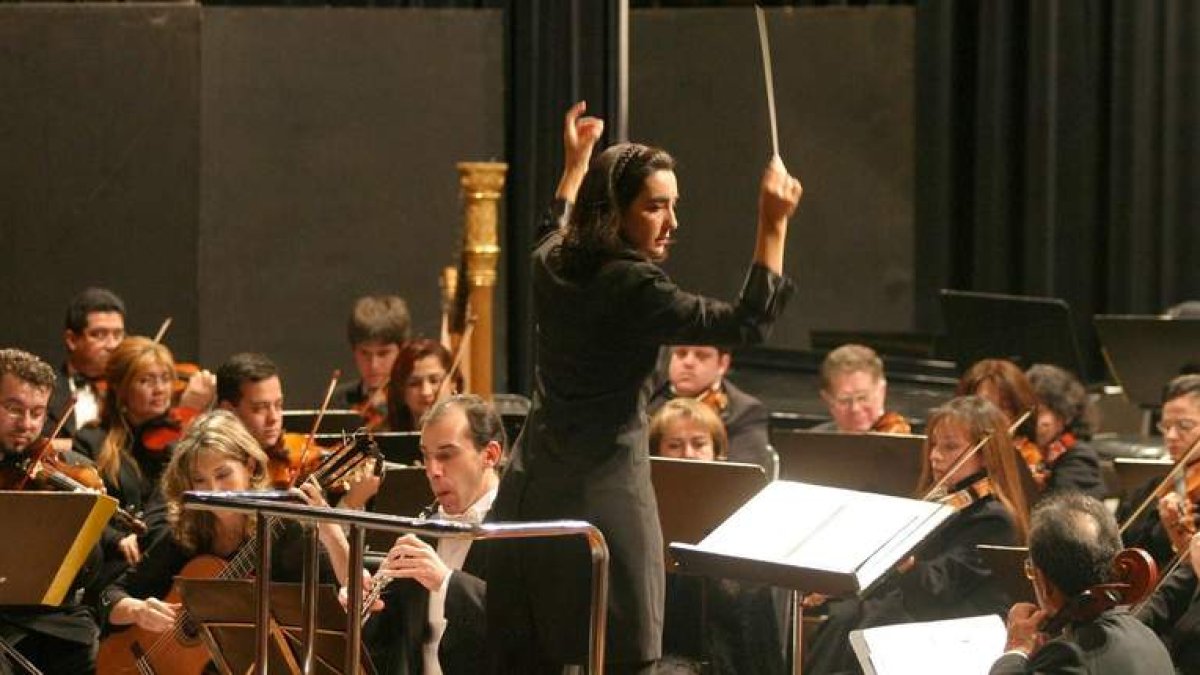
[(415, 383), (377, 329), (433, 615), (1073, 541), (855, 391), (1167, 525), (698, 371), (732, 626), (95, 325), (1173, 611), (55, 639), (132, 442), (946, 578), (1004, 384), (215, 453), (249, 386), (1063, 429)]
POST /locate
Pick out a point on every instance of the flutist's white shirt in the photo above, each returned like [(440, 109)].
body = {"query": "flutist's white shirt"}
[(453, 552)]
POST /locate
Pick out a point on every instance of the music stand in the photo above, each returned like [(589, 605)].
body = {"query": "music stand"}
[(399, 447), (225, 611), (888, 464), (56, 531), (404, 491), (814, 539), (1144, 353), (1134, 473), (333, 422), (1007, 564), (1023, 329)]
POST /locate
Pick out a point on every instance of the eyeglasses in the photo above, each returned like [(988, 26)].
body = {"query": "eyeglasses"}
[(862, 398), (1184, 426), (17, 412)]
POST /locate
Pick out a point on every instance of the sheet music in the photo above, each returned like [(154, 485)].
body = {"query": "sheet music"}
[(955, 647)]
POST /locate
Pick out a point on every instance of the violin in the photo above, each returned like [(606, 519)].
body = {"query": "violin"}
[(286, 460), (715, 398), (891, 423), (373, 409), (1134, 577), (1032, 454), (961, 499), (161, 433)]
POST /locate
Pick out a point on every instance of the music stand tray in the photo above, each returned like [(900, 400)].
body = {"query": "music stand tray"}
[(1144, 353), (333, 422), (1024, 329), (888, 464), (225, 611), (55, 532), (695, 497), (404, 491)]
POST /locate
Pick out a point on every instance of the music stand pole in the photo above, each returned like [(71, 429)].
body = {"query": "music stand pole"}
[(354, 611), (308, 601), (262, 581), (797, 632), (18, 658)]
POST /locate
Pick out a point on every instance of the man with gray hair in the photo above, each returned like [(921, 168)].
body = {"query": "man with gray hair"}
[(433, 618)]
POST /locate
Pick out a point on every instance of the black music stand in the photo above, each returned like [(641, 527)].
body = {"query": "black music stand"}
[(1023, 329), (404, 491), (967, 645), (1144, 353), (813, 539), (225, 610), (1007, 564), (399, 447), (888, 464), (333, 422), (1132, 473)]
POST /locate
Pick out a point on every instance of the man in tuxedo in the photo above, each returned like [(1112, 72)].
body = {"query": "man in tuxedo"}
[(1073, 540), (94, 326), (58, 639), (433, 617)]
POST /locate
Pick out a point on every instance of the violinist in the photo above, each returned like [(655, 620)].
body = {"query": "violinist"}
[(946, 578), (94, 326), (854, 389), (137, 430), (1073, 543), (1004, 384), (698, 371), (1063, 429), (56, 639), (214, 453), (249, 386), (1166, 528), (415, 382), (1173, 612), (377, 329)]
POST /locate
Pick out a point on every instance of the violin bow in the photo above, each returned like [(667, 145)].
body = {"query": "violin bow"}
[(312, 433), (1171, 475), (162, 330), (456, 365), (933, 491)]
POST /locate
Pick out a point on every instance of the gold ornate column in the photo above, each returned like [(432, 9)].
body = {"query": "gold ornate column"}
[(481, 183)]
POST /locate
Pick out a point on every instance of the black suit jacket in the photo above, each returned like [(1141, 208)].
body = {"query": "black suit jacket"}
[(583, 451), (1147, 532), (1078, 469), (1173, 612), (1114, 643)]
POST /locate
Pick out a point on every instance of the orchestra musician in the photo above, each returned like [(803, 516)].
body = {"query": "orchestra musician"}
[(415, 382), (94, 326), (603, 308), (55, 639), (698, 371), (946, 578), (1063, 429), (377, 329), (1073, 543), (1164, 529), (1173, 612), (731, 625), (1004, 384), (854, 389), (136, 432), (215, 453), (433, 622)]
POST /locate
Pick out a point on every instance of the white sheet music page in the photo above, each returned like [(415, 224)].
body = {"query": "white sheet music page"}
[(955, 647), (821, 528)]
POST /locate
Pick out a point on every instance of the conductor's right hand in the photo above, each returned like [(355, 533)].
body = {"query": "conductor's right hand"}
[(580, 135), (779, 194), (155, 615)]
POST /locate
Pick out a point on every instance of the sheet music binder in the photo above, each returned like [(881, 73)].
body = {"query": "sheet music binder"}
[(225, 611), (57, 531), (966, 646), (813, 538)]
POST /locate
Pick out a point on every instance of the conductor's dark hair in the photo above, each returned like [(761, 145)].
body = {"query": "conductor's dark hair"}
[(482, 419), (613, 181), (91, 300), (1073, 540), (1184, 385), (240, 369)]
